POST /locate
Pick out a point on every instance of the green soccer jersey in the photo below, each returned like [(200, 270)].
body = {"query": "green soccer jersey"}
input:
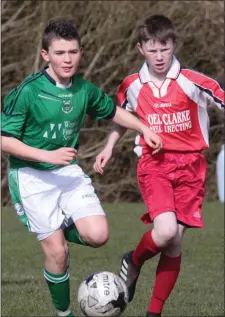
[(48, 117)]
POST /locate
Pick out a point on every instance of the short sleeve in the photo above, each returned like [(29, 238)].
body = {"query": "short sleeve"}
[(122, 97), (14, 113), (100, 105)]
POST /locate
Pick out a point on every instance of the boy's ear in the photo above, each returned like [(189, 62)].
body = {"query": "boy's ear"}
[(45, 55), (175, 46), (140, 48)]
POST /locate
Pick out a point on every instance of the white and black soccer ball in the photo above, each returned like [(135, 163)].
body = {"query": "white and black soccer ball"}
[(102, 294)]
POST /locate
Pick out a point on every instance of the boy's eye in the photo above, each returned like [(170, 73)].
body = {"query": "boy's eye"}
[(70, 52)]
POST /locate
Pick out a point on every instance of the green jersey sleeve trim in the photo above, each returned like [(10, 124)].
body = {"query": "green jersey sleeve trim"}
[(112, 114), (8, 110), (16, 107), (3, 133)]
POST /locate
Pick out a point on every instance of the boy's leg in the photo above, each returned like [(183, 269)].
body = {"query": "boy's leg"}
[(80, 203), (72, 234), (40, 213), (56, 274), (166, 274), (188, 196), (157, 193), (93, 227), (153, 241), (164, 231)]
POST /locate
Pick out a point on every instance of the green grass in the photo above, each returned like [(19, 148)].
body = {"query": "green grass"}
[(198, 292)]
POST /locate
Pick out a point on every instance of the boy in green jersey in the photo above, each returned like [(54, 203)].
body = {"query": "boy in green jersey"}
[(41, 122)]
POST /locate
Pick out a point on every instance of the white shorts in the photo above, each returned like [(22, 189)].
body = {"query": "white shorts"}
[(47, 200)]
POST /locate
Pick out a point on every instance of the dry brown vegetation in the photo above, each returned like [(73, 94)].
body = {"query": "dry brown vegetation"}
[(108, 36)]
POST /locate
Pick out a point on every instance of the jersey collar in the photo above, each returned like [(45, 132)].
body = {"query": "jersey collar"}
[(172, 73), (53, 81)]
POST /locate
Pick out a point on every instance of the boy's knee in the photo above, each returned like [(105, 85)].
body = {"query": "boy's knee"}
[(175, 247), (166, 235), (94, 230), (96, 237), (165, 229)]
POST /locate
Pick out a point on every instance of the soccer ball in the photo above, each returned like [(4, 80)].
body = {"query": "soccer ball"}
[(102, 294)]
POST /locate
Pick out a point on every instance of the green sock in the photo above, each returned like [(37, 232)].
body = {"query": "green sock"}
[(59, 287), (71, 234)]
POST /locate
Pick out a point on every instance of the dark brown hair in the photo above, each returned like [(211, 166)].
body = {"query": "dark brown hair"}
[(59, 29), (156, 27)]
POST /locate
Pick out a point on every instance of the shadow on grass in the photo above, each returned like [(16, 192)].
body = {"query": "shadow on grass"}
[(18, 282)]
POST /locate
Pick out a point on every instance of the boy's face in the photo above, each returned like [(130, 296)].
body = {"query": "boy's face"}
[(63, 57), (158, 55)]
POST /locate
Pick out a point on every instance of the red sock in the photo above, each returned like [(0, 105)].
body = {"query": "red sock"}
[(166, 276), (145, 250)]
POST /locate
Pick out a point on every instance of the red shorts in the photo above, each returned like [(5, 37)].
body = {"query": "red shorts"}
[(171, 181)]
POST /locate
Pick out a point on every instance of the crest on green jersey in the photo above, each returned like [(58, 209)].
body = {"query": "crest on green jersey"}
[(67, 106)]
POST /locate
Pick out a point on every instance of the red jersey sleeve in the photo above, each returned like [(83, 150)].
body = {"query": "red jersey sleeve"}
[(122, 92), (210, 88)]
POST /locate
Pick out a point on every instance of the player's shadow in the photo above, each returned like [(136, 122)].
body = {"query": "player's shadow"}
[(17, 282)]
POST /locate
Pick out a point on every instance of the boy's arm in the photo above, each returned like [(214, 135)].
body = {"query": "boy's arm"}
[(101, 106), (105, 155), (16, 148), (213, 92), (127, 120), (115, 135), (210, 91), (13, 118)]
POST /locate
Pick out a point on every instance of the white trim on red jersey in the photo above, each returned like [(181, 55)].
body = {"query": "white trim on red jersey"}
[(210, 88), (177, 110)]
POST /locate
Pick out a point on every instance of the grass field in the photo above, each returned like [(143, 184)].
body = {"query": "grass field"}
[(199, 291)]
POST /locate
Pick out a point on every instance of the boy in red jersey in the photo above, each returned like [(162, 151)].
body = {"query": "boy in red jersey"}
[(173, 102)]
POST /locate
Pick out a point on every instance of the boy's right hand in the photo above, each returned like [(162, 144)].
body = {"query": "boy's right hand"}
[(101, 160), (153, 140), (62, 156)]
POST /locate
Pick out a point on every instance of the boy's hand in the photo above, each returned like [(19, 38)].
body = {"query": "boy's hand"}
[(153, 140), (101, 160), (62, 156)]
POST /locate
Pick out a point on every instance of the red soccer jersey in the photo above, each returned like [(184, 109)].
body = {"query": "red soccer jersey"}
[(177, 111)]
